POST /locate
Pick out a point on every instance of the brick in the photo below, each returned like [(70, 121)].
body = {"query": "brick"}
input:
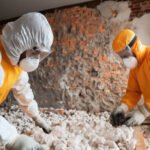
[(101, 28), (139, 7), (83, 45)]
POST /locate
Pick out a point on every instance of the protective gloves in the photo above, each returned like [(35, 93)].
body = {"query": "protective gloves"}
[(23, 142), (42, 124), (118, 115), (137, 117)]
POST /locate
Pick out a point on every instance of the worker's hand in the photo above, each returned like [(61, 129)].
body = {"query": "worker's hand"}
[(23, 142), (135, 118), (118, 115), (42, 124)]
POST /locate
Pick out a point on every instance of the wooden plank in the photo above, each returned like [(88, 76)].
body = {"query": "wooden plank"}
[(138, 134), (146, 122)]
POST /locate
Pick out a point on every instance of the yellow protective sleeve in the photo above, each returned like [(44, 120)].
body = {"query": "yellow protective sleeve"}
[(133, 92)]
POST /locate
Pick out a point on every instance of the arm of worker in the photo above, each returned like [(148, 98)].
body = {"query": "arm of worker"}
[(24, 95), (133, 92), (132, 96)]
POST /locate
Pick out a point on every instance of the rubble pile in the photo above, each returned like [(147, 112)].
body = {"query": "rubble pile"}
[(73, 129)]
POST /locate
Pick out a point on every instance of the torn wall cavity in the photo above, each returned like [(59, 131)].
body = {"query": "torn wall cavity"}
[(115, 11)]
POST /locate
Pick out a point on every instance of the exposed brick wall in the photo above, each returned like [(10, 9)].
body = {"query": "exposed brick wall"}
[(139, 7), (82, 72)]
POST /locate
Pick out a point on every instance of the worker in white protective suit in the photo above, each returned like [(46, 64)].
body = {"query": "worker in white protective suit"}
[(23, 44)]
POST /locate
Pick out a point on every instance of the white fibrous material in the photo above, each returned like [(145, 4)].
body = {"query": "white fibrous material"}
[(15, 116), (73, 130), (78, 130)]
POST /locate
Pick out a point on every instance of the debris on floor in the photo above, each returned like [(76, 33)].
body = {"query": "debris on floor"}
[(72, 129)]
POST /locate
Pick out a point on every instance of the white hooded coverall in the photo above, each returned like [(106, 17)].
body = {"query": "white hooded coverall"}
[(17, 37)]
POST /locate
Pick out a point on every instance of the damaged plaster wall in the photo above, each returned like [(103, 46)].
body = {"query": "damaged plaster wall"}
[(121, 12), (115, 11), (82, 72)]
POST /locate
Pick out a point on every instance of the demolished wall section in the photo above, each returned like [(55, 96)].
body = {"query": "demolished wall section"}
[(82, 71)]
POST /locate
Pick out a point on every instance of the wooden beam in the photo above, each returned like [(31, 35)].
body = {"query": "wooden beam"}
[(146, 122), (138, 134)]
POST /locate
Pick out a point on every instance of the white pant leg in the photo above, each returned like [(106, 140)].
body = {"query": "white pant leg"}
[(7, 131)]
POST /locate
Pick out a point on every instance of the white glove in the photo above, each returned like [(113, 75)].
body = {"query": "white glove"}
[(42, 124), (135, 118), (118, 115), (23, 142)]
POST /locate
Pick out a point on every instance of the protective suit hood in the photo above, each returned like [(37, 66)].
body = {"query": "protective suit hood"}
[(29, 31), (123, 39)]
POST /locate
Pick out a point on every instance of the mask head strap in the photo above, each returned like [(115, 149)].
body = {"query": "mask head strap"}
[(132, 41)]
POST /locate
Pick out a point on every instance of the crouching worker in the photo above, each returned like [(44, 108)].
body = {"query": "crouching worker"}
[(23, 44), (135, 56)]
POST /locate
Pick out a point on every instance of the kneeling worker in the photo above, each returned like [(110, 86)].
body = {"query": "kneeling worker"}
[(135, 56), (23, 44)]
